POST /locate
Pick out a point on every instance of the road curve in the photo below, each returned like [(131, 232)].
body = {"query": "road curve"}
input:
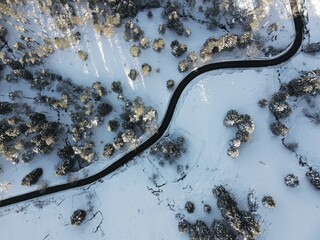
[(290, 52)]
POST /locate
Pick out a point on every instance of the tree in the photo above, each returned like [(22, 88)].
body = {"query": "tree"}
[(189, 206), (32, 177), (108, 150), (170, 84), (135, 51), (104, 109), (241, 221), (269, 202), (252, 201), (291, 180), (314, 178), (78, 217), (279, 129), (116, 87), (183, 65), (177, 48), (146, 69), (158, 44)]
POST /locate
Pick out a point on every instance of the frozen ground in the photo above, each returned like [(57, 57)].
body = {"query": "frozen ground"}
[(145, 201)]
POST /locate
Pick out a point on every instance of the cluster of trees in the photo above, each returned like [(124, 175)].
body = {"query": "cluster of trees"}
[(169, 149), (24, 133), (226, 42), (135, 120), (235, 223), (245, 126), (307, 85)]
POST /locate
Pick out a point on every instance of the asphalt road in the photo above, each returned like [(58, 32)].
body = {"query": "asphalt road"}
[(290, 52)]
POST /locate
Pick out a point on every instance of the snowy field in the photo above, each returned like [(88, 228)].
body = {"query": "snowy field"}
[(145, 200)]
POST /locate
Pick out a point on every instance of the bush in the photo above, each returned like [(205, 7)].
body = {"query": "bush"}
[(32, 177)]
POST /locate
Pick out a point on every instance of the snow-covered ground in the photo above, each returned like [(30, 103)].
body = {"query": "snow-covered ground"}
[(144, 200), (109, 60)]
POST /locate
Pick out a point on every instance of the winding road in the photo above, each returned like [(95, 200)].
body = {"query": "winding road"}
[(290, 52)]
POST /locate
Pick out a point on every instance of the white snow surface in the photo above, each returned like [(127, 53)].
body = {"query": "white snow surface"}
[(122, 205)]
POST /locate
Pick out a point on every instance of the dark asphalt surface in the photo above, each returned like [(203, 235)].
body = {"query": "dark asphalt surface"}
[(293, 49)]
